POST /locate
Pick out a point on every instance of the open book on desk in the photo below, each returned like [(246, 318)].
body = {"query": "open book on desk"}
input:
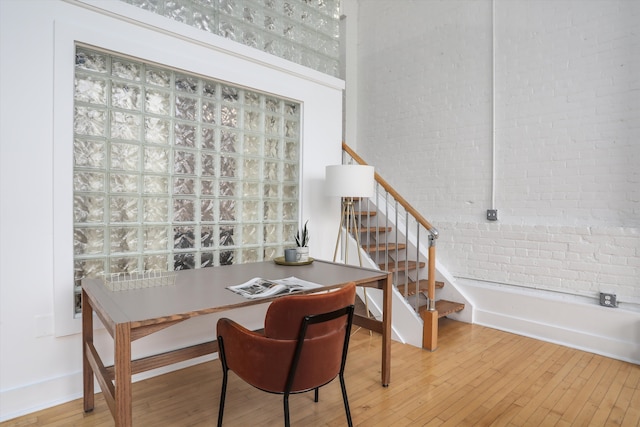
[(261, 288)]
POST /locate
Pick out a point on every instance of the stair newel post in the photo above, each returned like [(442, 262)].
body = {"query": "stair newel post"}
[(431, 271), (430, 316)]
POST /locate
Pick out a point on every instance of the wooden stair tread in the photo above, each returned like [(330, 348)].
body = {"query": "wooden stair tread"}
[(373, 229), (365, 213), (392, 267), (423, 286), (381, 247), (444, 307)]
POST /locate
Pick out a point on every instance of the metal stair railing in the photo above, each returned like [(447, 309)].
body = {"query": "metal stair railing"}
[(390, 203)]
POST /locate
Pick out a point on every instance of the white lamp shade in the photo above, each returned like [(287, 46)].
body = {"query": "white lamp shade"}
[(349, 181)]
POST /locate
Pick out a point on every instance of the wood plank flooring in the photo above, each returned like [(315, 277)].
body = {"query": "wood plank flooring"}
[(477, 377)]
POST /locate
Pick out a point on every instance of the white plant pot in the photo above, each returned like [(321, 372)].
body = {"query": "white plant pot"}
[(303, 254)]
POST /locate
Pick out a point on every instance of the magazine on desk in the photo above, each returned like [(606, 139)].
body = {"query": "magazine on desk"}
[(262, 288)]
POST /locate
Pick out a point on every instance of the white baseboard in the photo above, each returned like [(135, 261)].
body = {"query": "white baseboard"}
[(41, 395), (56, 391), (567, 320)]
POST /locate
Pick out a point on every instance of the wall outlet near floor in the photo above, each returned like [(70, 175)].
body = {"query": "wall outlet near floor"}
[(492, 214), (608, 300)]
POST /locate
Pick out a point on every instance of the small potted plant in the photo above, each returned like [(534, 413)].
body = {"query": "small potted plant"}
[(302, 240)]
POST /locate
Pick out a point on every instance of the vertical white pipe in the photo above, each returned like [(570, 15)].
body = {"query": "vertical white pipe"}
[(493, 105)]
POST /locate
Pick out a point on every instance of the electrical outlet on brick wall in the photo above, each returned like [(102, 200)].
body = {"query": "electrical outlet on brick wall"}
[(492, 214), (608, 300)]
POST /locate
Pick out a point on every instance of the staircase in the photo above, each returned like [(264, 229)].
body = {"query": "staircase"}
[(390, 231)]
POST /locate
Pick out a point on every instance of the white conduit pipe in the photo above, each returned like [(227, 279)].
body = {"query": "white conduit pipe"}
[(493, 105)]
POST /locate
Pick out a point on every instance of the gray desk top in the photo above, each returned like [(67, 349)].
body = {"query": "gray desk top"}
[(203, 291)]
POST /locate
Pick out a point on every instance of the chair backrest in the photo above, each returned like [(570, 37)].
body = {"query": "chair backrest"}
[(285, 315), (321, 357)]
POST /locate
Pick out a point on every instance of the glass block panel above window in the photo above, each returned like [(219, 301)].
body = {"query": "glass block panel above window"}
[(303, 31)]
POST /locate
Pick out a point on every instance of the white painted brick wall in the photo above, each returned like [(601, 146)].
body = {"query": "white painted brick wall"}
[(581, 259), (567, 133)]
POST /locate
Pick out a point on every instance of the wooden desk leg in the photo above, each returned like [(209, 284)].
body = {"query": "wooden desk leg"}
[(122, 363), (386, 331), (87, 337)]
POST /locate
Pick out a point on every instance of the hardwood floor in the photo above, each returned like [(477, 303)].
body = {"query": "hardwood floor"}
[(477, 377)]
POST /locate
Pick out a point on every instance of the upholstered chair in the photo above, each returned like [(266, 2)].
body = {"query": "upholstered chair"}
[(303, 346)]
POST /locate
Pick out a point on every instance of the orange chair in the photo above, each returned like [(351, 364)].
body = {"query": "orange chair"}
[(304, 346)]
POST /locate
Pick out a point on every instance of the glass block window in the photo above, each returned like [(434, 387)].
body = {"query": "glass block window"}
[(175, 171), (306, 32)]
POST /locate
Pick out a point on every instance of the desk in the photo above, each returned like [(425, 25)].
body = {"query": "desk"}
[(133, 314)]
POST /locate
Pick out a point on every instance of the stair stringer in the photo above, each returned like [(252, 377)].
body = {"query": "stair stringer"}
[(451, 291), (407, 324)]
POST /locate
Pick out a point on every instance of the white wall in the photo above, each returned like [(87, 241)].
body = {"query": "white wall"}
[(566, 175), (40, 351)]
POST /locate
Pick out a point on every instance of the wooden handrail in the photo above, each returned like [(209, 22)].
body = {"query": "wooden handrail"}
[(410, 209)]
